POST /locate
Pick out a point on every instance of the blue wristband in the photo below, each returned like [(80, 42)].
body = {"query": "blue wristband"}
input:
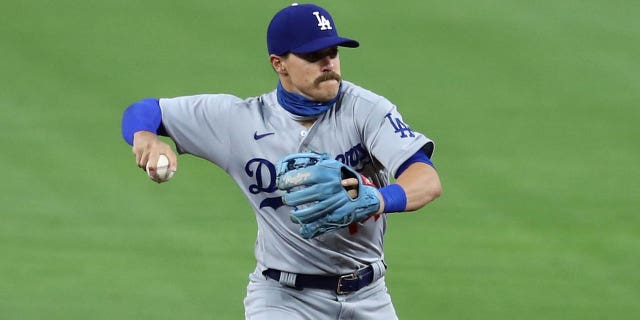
[(144, 115), (395, 199)]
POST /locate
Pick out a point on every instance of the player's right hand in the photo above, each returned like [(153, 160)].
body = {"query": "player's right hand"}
[(147, 148)]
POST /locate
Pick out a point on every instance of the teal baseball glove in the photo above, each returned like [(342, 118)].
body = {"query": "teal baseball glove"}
[(313, 183)]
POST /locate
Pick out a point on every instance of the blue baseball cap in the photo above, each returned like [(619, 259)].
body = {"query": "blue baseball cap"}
[(304, 28)]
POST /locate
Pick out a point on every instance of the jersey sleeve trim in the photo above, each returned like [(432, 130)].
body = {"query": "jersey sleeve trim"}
[(420, 156)]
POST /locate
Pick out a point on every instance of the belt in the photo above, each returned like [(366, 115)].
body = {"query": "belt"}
[(346, 283)]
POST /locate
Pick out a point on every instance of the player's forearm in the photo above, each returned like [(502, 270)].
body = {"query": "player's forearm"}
[(421, 185), (418, 185)]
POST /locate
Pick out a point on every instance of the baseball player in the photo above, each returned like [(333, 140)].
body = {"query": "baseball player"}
[(314, 158)]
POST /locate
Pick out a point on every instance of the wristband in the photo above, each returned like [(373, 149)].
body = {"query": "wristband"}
[(395, 199)]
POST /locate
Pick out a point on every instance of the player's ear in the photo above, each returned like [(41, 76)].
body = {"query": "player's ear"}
[(277, 62)]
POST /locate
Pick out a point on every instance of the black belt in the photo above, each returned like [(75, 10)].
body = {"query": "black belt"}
[(346, 283)]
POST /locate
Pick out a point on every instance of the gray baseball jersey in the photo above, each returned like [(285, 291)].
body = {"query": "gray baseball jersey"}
[(247, 137)]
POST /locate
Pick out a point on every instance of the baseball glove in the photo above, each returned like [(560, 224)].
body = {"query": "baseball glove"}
[(313, 185)]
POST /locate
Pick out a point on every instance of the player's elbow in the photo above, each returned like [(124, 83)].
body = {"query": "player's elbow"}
[(434, 191)]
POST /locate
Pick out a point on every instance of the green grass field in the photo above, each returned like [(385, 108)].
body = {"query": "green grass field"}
[(533, 105)]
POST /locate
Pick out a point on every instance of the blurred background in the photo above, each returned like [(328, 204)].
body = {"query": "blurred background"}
[(533, 106)]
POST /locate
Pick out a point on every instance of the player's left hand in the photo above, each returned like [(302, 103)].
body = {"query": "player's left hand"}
[(317, 186)]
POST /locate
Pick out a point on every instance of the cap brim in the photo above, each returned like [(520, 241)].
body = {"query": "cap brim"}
[(324, 43)]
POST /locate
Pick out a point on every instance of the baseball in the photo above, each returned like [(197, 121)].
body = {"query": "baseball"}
[(162, 170)]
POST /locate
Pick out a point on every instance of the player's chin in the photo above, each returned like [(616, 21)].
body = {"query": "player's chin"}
[(328, 89)]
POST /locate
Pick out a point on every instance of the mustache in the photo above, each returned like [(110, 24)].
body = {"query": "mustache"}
[(329, 75)]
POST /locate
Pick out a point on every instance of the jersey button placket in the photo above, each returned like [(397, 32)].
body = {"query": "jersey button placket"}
[(303, 147)]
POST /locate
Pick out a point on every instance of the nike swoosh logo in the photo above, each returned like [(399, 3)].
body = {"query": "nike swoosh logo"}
[(257, 136)]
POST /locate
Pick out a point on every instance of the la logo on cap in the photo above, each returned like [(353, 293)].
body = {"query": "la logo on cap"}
[(304, 28), (323, 22)]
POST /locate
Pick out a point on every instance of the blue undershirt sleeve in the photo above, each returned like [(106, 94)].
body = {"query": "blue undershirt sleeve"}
[(420, 156), (144, 115)]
